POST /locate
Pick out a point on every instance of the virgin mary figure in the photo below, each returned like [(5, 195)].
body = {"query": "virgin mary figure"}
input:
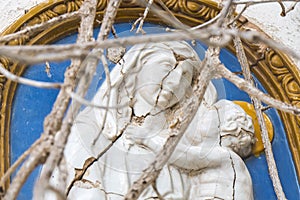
[(145, 85)]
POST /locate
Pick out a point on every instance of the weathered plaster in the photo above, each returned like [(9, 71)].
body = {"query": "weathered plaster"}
[(13, 9), (284, 29)]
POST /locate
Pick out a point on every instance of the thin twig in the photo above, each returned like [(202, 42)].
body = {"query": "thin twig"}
[(140, 28), (264, 132), (52, 122), (167, 17), (83, 85), (55, 157), (283, 13), (58, 52), (93, 105), (240, 14), (200, 26), (248, 88), (205, 24), (169, 12), (48, 69), (30, 30), (26, 81), (224, 12), (35, 159), (108, 91), (159, 196), (20, 159), (292, 7), (114, 32)]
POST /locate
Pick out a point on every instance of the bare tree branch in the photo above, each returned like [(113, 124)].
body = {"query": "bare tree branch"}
[(282, 8), (165, 16), (224, 12), (26, 81), (58, 52), (142, 19), (108, 81), (35, 158), (85, 35), (205, 24), (52, 122), (83, 85), (239, 15), (20, 159), (264, 132), (30, 30), (292, 7), (84, 102), (247, 87)]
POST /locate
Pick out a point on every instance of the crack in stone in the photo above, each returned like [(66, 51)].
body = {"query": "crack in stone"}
[(234, 177), (161, 84), (219, 125), (90, 161), (178, 58), (87, 184), (216, 198), (233, 135), (231, 160), (139, 120)]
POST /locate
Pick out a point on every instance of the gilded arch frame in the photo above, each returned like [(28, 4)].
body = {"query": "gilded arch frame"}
[(276, 72)]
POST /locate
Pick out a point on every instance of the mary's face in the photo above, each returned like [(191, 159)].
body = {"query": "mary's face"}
[(163, 79)]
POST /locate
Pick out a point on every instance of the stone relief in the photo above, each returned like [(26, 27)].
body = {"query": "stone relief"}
[(289, 78), (147, 84)]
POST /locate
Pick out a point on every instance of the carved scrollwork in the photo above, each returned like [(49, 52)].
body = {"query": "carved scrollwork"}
[(5, 62), (60, 9), (43, 17), (57, 9), (195, 9), (20, 41), (7, 65), (276, 64), (285, 78), (173, 5), (101, 4), (291, 87)]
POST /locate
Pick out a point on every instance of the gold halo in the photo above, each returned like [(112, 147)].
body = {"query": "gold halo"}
[(249, 109)]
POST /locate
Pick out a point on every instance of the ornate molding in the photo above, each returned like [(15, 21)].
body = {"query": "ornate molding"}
[(274, 69)]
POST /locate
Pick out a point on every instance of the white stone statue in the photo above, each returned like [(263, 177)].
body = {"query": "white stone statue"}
[(148, 81)]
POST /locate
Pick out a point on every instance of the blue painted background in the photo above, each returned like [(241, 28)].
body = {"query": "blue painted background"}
[(31, 105)]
